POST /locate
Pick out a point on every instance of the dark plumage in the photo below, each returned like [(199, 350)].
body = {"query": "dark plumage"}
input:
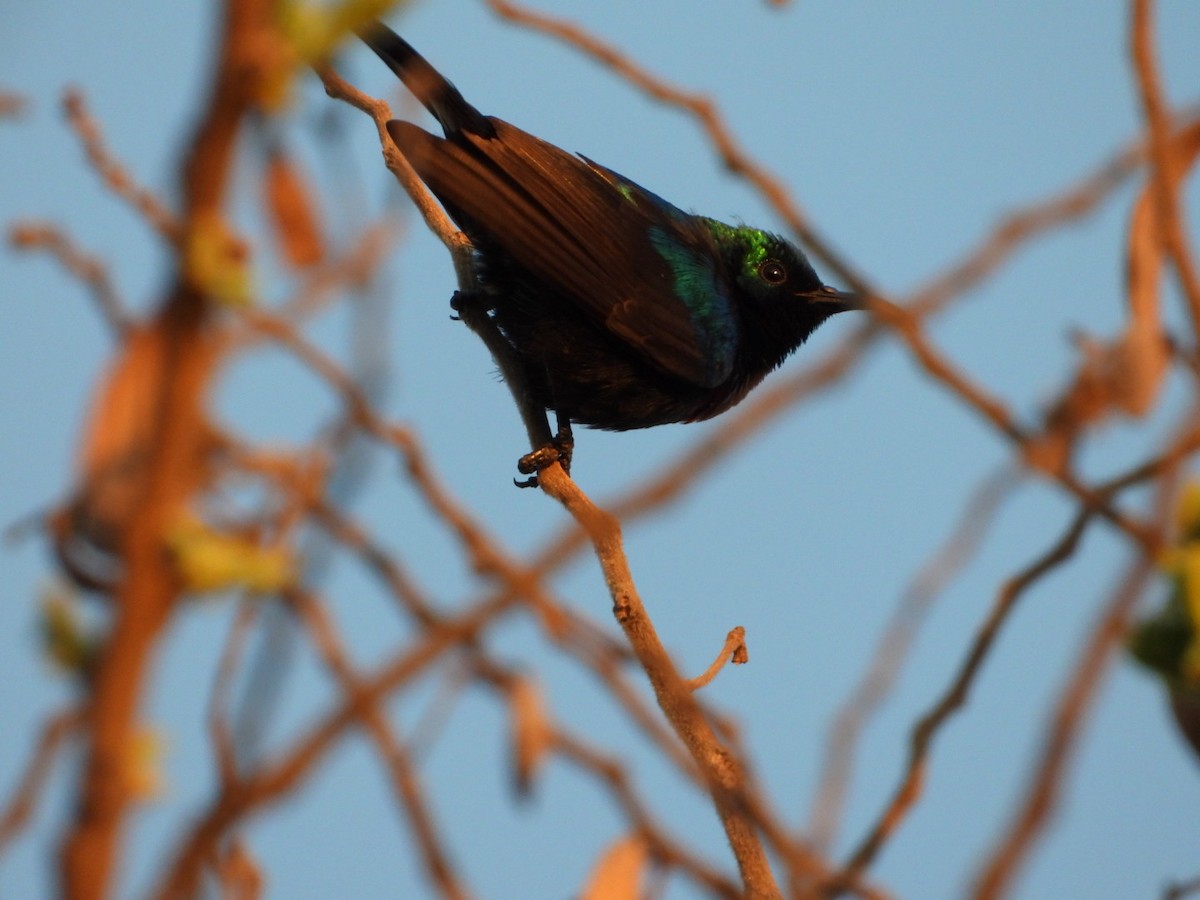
[(626, 311)]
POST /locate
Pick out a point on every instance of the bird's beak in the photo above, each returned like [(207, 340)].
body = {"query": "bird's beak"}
[(835, 301)]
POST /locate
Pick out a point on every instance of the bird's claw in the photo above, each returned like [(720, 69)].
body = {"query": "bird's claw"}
[(558, 450), (460, 300)]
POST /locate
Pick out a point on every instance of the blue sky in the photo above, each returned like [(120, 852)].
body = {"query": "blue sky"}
[(905, 132)]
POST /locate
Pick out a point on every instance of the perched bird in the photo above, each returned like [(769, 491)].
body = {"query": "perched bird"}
[(624, 310)]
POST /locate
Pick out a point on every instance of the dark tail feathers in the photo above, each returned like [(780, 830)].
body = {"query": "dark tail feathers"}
[(427, 84)]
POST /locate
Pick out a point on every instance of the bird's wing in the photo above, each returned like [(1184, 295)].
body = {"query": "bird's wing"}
[(638, 266)]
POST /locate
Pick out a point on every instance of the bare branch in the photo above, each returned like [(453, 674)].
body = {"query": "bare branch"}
[(55, 732), (952, 699), (405, 784), (724, 774), (1086, 677), (888, 658), (1084, 685), (179, 352), (734, 651), (1167, 164), (707, 115), (115, 176), (88, 269)]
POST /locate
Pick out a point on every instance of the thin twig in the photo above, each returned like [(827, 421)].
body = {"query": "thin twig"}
[(1083, 686), (1018, 227), (1182, 889), (1086, 677), (112, 173), (953, 698), (708, 116), (725, 775), (87, 268), (733, 650), (955, 695), (666, 850), (1167, 173), (218, 702), (275, 779), (56, 729), (410, 795), (888, 658)]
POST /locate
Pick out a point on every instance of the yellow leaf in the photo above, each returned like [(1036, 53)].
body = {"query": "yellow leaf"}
[(143, 764), (316, 30), (209, 560), (216, 262)]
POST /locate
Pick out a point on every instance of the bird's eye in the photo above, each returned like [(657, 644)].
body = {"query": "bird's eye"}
[(773, 272)]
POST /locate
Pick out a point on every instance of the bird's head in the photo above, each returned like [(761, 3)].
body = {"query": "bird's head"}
[(775, 273)]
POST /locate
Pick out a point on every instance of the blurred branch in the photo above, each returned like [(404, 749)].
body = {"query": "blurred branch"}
[(56, 729), (1182, 889), (1018, 227), (888, 658), (1086, 677), (1167, 171), (355, 265), (1084, 684), (974, 396), (224, 750), (280, 775), (722, 774), (405, 785), (165, 470), (601, 662), (591, 647), (610, 771), (115, 176), (88, 269), (953, 698), (386, 567), (484, 555), (12, 105), (237, 873), (707, 115)]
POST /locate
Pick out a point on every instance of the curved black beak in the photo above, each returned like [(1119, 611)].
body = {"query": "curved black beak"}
[(834, 301)]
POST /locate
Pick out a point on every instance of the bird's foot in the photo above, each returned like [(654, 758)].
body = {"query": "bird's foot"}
[(558, 451), (462, 300)]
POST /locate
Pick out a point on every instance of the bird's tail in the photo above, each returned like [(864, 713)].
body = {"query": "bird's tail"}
[(428, 85)]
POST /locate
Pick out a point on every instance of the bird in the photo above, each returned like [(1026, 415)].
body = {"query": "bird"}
[(622, 310)]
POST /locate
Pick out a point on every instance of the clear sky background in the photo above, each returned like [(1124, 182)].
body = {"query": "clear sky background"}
[(904, 131)]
